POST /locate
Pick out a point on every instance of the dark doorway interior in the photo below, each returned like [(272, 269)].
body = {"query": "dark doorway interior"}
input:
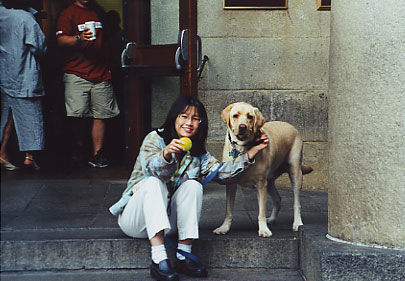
[(132, 86), (57, 153)]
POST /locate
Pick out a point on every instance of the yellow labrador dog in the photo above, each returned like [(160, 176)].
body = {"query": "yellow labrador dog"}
[(284, 154)]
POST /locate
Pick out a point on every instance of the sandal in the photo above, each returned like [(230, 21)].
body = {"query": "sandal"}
[(7, 165), (33, 164)]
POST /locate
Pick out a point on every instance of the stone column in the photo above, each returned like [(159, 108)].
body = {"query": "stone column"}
[(367, 122)]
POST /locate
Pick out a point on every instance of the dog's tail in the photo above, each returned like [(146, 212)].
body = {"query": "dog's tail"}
[(306, 169)]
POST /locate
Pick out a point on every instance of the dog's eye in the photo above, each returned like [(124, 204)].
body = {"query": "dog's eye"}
[(250, 117), (235, 116)]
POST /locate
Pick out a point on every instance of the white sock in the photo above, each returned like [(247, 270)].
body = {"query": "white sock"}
[(158, 253), (185, 248)]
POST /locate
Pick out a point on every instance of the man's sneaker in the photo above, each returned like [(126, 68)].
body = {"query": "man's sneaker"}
[(99, 160)]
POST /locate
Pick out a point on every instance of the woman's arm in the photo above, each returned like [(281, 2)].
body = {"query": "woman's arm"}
[(173, 147), (152, 159), (263, 143), (233, 168)]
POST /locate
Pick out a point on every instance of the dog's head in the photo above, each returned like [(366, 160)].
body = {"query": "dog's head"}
[(243, 121)]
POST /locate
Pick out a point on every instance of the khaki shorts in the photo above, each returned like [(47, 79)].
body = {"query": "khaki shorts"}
[(87, 99)]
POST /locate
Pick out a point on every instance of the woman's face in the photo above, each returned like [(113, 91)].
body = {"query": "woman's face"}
[(187, 123)]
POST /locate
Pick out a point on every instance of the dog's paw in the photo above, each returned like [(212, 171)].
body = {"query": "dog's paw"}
[(264, 231), (296, 226), (223, 229)]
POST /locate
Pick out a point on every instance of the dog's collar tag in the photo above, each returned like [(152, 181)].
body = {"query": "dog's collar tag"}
[(234, 153)]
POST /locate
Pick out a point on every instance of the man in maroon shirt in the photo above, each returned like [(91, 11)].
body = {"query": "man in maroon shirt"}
[(87, 78)]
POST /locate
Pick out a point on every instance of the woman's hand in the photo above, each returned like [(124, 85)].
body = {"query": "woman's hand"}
[(263, 143), (173, 147)]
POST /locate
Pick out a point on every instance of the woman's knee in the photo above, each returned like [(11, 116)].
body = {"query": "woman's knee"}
[(152, 181), (193, 188), (153, 184)]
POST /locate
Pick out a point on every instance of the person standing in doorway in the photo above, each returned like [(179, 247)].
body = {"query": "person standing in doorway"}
[(22, 43), (87, 78)]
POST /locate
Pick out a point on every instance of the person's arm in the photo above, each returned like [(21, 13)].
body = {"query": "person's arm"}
[(173, 147), (67, 32), (34, 37), (152, 159), (263, 143), (74, 40), (233, 168)]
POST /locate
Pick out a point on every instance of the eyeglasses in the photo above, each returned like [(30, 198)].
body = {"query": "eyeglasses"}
[(184, 118)]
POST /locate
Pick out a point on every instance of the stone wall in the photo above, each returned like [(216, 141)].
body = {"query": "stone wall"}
[(277, 60)]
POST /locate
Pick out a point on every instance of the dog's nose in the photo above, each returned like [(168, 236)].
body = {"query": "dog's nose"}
[(242, 129)]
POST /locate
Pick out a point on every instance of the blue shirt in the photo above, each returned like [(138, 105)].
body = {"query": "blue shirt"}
[(22, 42)]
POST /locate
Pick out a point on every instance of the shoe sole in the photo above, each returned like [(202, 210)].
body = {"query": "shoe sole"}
[(7, 165), (9, 168), (156, 275), (191, 274)]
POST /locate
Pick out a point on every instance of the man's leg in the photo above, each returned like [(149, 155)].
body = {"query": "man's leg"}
[(103, 107), (97, 134), (77, 100), (98, 159), (78, 127)]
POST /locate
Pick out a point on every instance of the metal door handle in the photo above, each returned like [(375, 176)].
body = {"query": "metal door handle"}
[(182, 50), (126, 54), (176, 59)]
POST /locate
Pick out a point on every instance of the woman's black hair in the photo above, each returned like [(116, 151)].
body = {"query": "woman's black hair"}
[(168, 131)]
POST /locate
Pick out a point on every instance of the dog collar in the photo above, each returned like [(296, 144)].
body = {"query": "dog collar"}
[(249, 144), (235, 153)]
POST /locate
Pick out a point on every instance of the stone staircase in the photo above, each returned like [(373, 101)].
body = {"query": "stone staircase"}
[(109, 256), (62, 230)]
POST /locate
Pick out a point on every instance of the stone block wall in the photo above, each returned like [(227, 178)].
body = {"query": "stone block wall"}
[(277, 60)]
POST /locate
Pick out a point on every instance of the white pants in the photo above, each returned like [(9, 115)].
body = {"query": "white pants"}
[(145, 215)]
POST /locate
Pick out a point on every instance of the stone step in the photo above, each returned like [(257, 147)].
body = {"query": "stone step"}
[(324, 259), (110, 249), (56, 230), (143, 274)]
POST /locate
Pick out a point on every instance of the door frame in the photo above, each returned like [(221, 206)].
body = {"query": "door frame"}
[(137, 27)]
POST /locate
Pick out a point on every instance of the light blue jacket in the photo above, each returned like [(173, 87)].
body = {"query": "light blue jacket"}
[(22, 42), (151, 162)]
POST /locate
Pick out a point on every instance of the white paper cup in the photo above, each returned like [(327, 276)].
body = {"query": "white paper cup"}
[(92, 26)]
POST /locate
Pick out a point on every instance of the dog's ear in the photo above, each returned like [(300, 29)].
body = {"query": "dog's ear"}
[(225, 113), (259, 120)]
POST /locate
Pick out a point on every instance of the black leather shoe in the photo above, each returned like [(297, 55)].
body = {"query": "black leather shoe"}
[(191, 268), (163, 271)]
